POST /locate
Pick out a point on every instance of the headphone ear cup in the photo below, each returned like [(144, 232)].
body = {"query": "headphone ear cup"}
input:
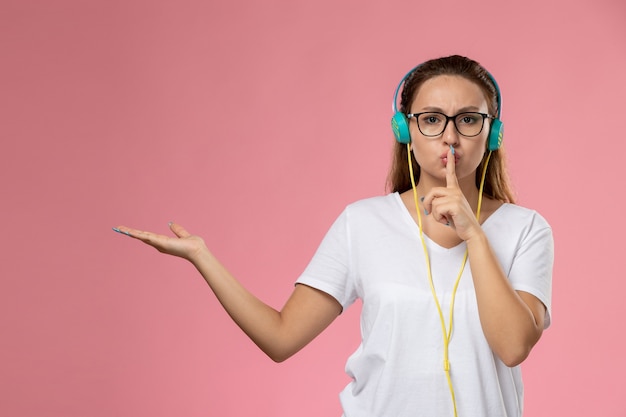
[(496, 134), (400, 127)]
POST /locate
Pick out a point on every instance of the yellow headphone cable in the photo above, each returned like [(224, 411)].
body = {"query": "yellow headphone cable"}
[(447, 334)]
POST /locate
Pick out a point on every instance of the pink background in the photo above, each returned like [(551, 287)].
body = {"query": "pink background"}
[(253, 123)]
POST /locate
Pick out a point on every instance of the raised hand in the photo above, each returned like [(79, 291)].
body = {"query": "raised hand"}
[(449, 206), (183, 245)]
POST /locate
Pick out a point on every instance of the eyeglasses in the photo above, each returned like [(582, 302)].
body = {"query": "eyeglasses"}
[(434, 123)]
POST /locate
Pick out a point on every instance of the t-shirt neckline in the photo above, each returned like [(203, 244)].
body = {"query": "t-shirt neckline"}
[(408, 218)]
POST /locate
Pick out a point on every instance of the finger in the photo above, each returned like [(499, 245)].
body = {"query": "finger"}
[(428, 199), (122, 230), (441, 214), (179, 230), (426, 204), (431, 208), (451, 179), (446, 220), (146, 237)]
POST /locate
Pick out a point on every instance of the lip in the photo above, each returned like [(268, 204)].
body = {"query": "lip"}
[(444, 158)]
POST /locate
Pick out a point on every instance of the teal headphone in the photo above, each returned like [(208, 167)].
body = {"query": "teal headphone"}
[(400, 123)]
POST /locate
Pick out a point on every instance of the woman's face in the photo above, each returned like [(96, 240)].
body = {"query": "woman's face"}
[(450, 95)]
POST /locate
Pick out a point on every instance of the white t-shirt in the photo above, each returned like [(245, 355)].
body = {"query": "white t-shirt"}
[(373, 251)]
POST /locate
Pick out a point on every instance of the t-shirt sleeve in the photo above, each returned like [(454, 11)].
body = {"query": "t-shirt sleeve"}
[(329, 270), (532, 268)]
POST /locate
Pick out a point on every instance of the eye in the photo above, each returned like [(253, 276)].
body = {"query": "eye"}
[(430, 118), (468, 118)]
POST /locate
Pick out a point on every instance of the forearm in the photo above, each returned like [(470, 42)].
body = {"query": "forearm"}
[(258, 320), (507, 320), (279, 334)]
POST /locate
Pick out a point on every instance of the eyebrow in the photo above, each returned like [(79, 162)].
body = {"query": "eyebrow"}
[(461, 110)]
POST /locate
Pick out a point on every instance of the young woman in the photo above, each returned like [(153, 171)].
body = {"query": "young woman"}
[(454, 278)]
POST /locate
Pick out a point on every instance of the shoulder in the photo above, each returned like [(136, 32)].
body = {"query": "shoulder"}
[(375, 202), (378, 205), (372, 213), (521, 215), (512, 220)]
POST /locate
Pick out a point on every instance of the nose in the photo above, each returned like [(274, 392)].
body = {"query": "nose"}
[(450, 134)]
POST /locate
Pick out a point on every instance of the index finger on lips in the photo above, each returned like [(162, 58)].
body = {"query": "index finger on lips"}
[(451, 180)]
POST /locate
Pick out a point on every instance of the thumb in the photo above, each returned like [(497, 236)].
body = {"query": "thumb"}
[(179, 230)]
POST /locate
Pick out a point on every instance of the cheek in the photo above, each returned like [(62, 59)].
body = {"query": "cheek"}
[(414, 131), (423, 150), (474, 153)]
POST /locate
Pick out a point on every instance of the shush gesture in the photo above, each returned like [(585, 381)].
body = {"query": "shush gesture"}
[(183, 244), (444, 119), (449, 206)]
